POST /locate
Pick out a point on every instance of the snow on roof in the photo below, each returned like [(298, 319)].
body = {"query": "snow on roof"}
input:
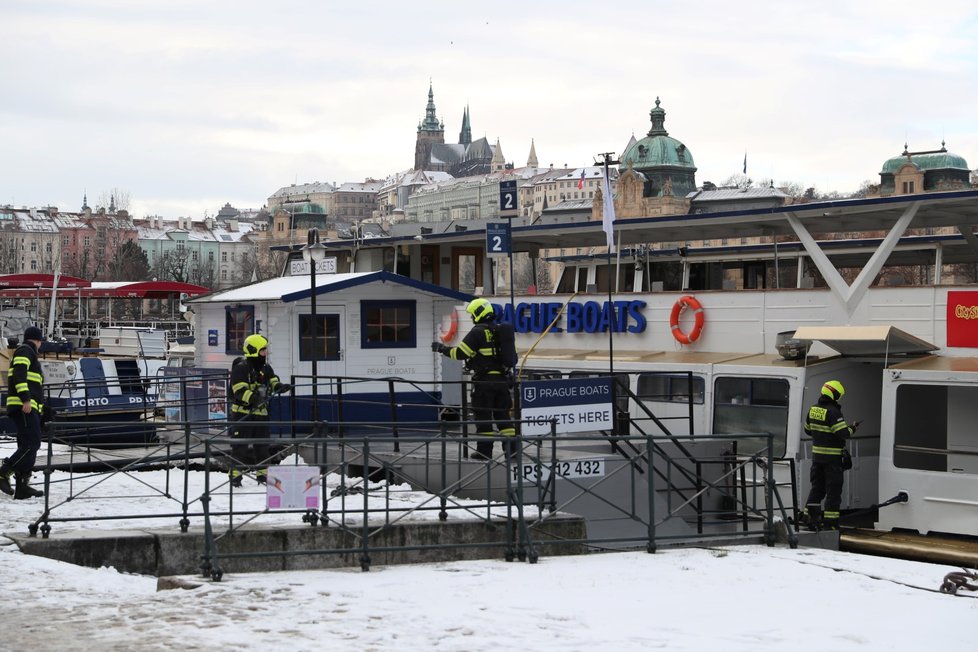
[(295, 288)]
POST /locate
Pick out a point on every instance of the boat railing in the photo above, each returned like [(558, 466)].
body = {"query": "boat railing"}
[(89, 330), (362, 491)]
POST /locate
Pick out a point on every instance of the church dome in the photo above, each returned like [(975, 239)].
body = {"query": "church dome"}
[(939, 159), (657, 149)]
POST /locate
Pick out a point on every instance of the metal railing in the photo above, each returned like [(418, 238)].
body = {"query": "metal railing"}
[(663, 488)]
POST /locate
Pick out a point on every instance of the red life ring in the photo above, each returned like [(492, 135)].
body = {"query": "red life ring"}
[(449, 335), (684, 302)]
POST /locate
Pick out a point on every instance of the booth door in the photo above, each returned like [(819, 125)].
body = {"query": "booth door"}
[(320, 341)]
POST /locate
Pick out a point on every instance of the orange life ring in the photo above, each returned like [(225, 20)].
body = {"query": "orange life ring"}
[(449, 335), (684, 302)]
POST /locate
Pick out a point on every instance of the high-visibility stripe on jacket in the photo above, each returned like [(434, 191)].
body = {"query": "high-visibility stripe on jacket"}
[(479, 353), (246, 382), (828, 429), (25, 379)]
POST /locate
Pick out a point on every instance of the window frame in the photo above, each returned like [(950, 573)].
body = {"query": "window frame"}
[(409, 342), (328, 320), (237, 329)]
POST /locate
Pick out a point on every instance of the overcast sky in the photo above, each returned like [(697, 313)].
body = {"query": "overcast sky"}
[(186, 105)]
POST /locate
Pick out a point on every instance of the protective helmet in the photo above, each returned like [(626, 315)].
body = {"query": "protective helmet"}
[(480, 309), (833, 389), (253, 345)]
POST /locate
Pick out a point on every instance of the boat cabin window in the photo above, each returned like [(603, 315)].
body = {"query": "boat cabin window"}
[(388, 324), (935, 428), (670, 387), (752, 405), (239, 323), (323, 343)]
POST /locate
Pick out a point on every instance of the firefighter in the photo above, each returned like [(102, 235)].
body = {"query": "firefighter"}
[(829, 432), (25, 407), (252, 382), (489, 352)]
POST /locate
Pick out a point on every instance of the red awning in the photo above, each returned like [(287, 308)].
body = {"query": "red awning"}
[(41, 281), (120, 290)]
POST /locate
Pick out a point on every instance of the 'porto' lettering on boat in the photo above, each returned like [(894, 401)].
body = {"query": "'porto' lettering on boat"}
[(90, 402), (579, 317)]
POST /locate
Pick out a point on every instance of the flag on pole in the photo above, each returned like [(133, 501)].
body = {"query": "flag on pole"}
[(608, 212), (580, 182), (745, 162)]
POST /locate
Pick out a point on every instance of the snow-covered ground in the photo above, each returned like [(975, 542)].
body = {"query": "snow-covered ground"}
[(738, 598)]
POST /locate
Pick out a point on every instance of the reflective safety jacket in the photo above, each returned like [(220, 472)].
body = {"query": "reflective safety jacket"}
[(480, 352), (24, 379), (828, 430), (250, 388)]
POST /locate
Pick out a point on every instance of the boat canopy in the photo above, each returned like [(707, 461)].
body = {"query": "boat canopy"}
[(99, 289), (865, 340)]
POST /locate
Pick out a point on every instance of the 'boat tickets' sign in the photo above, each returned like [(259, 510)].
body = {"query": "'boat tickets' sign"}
[(578, 317)]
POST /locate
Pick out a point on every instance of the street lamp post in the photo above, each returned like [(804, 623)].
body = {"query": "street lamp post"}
[(314, 253)]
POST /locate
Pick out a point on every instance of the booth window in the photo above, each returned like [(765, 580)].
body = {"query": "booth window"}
[(388, 324), (670, 387), (319, 338), (934, 428), (239, 323), (752, 405)]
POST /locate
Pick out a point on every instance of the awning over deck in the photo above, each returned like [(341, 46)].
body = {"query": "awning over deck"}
[(99, 289), (865, 340)]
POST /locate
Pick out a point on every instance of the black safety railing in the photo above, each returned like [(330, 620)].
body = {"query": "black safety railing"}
[(520, 497), (633, 489)]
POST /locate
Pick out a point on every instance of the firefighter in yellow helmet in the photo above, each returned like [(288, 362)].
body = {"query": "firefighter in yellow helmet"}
[(489, 352), (829, 432), (252, 382), (25, 407)]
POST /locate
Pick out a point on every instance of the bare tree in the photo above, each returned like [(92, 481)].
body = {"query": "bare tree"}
[(129, 263), (114, 196), (10, 256), (173, 265), (202, 274)]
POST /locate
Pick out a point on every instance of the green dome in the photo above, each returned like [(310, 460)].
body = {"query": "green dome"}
[(657, 149), (936, 160)]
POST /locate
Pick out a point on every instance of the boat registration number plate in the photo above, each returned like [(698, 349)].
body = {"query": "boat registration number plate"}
[(566, 469)]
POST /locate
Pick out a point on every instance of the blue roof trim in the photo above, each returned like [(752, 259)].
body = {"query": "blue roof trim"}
[(378, 277)]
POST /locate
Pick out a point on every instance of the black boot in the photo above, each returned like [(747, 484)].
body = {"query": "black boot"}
[(814, 511), (5, 483), (24, 489), (483, 450)]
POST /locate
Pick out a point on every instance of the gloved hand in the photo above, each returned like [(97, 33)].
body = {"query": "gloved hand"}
[(282, 388), (438, 347), (855, 425), (254, 400)]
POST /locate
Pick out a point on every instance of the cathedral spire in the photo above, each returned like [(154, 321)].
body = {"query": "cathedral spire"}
[(498, 160), (85, 202), (531, 160), (430, 122), (465, 136)]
